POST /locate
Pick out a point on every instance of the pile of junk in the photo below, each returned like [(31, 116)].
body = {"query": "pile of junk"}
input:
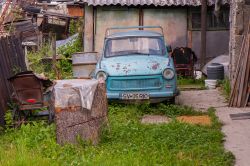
[(32, 97), (185, 61)]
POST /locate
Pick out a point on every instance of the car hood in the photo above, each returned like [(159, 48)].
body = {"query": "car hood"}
[(135, 65)]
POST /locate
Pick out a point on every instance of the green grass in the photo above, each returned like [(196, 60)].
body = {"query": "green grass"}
[(190, 83), (124, 142), (226, 88)]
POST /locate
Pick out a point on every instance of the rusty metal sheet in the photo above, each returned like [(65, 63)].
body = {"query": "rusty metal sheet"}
[(11, 59), (75, 10)]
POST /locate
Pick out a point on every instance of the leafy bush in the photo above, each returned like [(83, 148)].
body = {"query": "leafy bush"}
[(38, 64), (64, 65), (71, 48), (76, 26)]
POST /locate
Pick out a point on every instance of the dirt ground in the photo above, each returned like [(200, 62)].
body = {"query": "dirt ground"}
[(237, 132), (201, 99), (200, 120)]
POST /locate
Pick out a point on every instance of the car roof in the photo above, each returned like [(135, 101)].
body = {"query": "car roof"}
[(135, 33)]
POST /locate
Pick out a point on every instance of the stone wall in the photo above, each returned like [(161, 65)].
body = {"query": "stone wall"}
[(239, 19)]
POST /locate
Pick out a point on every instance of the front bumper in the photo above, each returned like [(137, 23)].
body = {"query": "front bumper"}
[(152, 95)]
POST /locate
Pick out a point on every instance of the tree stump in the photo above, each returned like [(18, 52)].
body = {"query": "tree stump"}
[(73, 119)]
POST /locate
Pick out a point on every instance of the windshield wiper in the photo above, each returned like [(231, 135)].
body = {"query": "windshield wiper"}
[(139, 53)]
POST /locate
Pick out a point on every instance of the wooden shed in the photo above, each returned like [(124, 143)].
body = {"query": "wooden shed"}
[(181, 21), (75, 10)]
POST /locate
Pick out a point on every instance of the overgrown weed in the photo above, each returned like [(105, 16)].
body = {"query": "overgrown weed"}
[(226, 88), (190, 81), (125, 141)]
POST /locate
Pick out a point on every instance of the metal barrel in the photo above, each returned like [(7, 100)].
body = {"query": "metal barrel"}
[(215, 71), (84, 64)]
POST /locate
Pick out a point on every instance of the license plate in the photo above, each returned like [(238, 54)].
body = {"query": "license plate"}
[(134, 96)]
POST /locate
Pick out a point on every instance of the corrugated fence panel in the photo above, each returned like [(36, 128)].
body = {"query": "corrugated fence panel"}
[(12, 60)]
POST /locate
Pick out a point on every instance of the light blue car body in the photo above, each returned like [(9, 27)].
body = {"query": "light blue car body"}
[(138, 73)]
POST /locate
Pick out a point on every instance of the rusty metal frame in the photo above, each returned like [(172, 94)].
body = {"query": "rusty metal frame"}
[(108, 31), (12, 55)]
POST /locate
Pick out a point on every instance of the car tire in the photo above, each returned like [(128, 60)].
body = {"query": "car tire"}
[(170, 101)]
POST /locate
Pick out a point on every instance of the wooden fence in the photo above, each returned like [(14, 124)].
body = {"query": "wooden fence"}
[(12, 60)]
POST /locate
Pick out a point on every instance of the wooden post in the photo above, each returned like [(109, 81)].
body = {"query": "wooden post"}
[(203, 32), (53, 47), (190, 39), (88, 42), (26, 56), (141, 14)]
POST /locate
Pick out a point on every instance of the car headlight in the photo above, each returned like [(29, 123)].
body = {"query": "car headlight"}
[(168, 74), (101, 75)]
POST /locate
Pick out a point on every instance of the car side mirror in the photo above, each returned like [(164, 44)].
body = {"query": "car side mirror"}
[(169, 49)]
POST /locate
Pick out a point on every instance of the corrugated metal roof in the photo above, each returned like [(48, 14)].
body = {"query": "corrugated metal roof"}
[(151, 2)]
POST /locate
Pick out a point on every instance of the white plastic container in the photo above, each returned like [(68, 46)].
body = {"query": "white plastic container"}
[(211, 84)]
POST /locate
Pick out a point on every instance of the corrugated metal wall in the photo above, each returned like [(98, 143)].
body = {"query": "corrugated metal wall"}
[(12, 60)]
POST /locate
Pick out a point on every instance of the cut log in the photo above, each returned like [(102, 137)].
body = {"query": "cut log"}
[(73, 119)]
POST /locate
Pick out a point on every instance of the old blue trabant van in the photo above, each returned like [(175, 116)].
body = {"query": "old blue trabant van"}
[(136, 65)]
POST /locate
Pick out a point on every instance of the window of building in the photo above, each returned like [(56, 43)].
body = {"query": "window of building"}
[(213, 23)]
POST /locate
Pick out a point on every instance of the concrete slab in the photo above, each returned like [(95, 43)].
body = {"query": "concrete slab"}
[(155, 119), (202, 99), (237, 132)]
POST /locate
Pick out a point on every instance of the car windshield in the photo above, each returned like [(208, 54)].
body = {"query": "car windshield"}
[(135, 45)]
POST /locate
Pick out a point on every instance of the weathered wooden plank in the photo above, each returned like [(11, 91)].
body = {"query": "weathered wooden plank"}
[(246, 77), (89, 29), (243, 73), (240, 84), (233, 91)]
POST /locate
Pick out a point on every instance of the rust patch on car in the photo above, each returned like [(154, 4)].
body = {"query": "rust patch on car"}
[(155, 66), (118, 66)]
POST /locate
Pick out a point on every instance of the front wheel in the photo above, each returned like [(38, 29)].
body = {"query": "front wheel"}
[(170, 101)]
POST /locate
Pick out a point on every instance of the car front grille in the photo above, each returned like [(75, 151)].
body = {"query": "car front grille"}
[(135, 83)]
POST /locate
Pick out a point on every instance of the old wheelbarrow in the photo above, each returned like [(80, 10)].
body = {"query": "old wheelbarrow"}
[(29, 96)]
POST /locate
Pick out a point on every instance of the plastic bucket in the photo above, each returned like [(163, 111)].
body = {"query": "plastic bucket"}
[(211, 84)]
